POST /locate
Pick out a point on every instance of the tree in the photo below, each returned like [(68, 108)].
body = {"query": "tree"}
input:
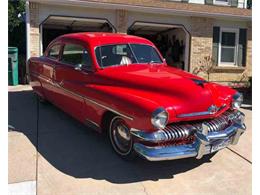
[(205, 66), (249, 4), (16, 11), (17, 33)]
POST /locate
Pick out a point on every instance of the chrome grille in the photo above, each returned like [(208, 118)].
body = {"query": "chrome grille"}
[(184, 130), (174, 132)]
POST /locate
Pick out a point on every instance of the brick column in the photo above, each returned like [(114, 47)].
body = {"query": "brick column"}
[(34, 29), (121, 21), (201, 40), (249, 49)]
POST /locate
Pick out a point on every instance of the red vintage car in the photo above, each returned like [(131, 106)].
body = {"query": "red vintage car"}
[(121, 85)]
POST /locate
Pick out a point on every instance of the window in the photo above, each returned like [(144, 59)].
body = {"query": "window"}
[(229, 46), (54, 52), (228, 51), (146, 54), (222, 2), (124, 54), (74, 54)]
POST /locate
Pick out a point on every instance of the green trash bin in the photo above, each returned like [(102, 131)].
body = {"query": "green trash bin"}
[(12, 66)]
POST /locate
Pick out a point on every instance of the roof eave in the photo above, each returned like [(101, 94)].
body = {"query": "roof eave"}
[(172, 11)]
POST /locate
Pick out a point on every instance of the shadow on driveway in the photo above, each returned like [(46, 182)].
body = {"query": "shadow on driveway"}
[(78, 151)]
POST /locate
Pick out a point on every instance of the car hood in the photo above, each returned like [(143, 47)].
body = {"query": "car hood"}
[(179, 92)]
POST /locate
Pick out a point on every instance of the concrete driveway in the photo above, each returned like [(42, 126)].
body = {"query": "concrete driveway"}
[(66, 158)]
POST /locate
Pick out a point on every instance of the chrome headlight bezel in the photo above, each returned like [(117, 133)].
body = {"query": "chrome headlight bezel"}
[(160, 118), (237, 100)]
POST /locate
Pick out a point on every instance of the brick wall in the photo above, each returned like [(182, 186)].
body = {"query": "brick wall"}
[(201, 40), (249, 49), (121, 21), (201, 46), (34, 29)]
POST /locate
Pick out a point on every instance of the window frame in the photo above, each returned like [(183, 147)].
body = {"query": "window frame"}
[(228, 64), (217, 2), (60, 49), (74, 65)]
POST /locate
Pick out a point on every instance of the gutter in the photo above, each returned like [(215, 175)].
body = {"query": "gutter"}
[(104, 5)]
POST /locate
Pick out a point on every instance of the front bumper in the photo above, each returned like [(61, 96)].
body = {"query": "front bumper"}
[(205, 143)]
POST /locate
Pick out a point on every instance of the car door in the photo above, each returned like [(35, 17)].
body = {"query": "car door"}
[(47, 70), (71, 76)]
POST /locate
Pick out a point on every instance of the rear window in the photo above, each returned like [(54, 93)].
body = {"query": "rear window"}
[(76, 54), (54, 52)]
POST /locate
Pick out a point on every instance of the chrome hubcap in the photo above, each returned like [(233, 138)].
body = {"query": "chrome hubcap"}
[(121, 136)]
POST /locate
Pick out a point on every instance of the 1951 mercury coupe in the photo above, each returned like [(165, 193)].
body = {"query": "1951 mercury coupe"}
[(120, 84)]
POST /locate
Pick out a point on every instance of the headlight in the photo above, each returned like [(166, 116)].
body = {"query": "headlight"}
[(159, 118), (237, 101)]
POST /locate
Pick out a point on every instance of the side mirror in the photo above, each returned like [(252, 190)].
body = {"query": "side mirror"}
[(78, 67)]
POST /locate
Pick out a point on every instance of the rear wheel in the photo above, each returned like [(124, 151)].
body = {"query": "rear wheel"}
[(120, 138)]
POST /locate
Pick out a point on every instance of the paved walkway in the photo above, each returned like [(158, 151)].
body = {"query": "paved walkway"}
[(66, 158)]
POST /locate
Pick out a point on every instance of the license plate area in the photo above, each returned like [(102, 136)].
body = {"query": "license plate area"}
[(220, 144)]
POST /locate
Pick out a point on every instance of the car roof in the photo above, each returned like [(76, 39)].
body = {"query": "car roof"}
[(100, 38)]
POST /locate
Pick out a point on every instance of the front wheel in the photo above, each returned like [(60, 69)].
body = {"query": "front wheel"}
[(120, 138)]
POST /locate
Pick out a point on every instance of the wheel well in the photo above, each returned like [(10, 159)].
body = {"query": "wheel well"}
[(106, 118)]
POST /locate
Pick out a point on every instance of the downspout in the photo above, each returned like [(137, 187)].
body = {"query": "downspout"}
[(27, 12)]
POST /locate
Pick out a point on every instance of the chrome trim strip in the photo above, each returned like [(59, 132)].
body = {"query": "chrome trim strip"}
[(193, 114), (80, 96), (94, 102), (92, 124)]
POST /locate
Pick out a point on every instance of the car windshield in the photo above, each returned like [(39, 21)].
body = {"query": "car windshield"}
[(124, 54)]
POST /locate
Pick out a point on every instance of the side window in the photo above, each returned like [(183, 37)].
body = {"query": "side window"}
[(54, 52), (76, 55)]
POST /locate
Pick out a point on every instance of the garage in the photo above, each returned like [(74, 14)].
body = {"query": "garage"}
[(55, 26), (172, 40)]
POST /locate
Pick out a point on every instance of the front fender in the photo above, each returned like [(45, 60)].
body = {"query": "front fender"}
[(126, 102)]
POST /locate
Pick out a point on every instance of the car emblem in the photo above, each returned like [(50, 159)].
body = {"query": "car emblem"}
[(213, 109)]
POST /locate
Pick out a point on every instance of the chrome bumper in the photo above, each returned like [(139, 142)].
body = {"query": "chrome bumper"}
[(204, 141)]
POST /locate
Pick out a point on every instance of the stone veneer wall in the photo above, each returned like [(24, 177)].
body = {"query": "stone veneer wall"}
[(201, 46), (34, 30), (121, 21)]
